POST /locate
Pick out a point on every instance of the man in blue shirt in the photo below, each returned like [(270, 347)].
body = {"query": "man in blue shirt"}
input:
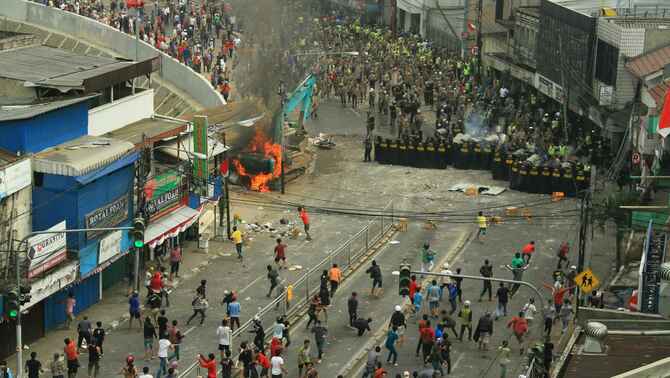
[(234, 309), (134, 309)]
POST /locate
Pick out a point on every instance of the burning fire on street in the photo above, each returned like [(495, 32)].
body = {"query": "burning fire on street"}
[(260, 163)]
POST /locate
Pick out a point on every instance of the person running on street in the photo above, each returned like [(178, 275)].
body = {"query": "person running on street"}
[(277, 366), (99, 336), (33, 366), (465, 315), (486, 270), (227, 365), (335, 276), (305, 221), (352, 308), (529, 310), (199, 305), (57, 366), (503, 298), (149, 336), (565, 314), (236, 236), (375, 273), (427, 340), (391, 339), (452, 292), (427, 258), (484, 331), (273, 277), (447, 323), (527, 251), (280, 254), (518, 261), (519, 327)]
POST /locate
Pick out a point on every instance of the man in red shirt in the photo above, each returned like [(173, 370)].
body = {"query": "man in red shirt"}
[(528, 251), (558, 293), (412, 288), (280, 254), (209, 364), (519, 326), (305, 221), (72, 357), (562, 254), (427, 339)]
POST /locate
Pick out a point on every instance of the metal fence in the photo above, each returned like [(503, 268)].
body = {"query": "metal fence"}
[(307, 285)]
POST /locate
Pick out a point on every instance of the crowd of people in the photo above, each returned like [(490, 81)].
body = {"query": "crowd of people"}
[(481, 122), (201, 37)]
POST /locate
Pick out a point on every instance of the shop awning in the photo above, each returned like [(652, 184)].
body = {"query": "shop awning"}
[(170, 225)]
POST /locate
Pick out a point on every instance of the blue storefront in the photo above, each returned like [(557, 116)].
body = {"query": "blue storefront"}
[(88, 182)]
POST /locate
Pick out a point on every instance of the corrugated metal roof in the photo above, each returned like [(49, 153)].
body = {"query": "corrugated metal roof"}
[(17, 112), (80, 156), (153, 129), (51, 67), (650, 62), (625, 352)]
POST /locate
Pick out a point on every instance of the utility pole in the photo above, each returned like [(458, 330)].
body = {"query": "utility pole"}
[(585, 219), (464, 45), (566, 87), (225, 185), (19, 342)]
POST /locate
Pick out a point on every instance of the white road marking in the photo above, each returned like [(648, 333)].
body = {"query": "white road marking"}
[(458, 360), (189, 330), (250, 285), (355, 112)]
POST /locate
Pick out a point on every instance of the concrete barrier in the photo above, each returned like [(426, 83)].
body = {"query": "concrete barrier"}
[(99, 34)]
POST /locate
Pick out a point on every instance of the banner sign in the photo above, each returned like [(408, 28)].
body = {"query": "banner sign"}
[(55, 281), (200, 132), (46, 250), (110, 246), (162, 193), (110, 215), (655, 254), (15, 177)]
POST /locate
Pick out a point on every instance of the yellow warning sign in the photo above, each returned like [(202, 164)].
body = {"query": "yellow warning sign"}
[(587, 281)]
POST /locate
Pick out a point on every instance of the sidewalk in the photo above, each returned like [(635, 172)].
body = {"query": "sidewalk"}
[(223, 271)]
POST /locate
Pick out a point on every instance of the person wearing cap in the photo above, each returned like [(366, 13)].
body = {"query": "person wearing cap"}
[(465, 314), (399, 322)]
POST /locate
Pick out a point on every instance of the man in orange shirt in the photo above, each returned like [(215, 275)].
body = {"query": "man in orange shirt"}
[(305, 221), (72, 357), (335, 276), (528, 251)]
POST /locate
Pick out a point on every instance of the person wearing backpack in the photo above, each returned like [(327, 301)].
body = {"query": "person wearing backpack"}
[(519, 326)]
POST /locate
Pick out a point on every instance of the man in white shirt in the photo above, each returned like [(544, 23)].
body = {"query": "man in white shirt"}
[(445, 280), (278, 329), (277, 367), (164, 345), (225, 334), (145, 373)]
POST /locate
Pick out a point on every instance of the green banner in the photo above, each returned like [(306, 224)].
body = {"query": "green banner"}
[(200, 169)]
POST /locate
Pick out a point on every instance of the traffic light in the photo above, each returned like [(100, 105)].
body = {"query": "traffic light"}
[(404, 279), (11, 304), (138, 232), (24, 294)]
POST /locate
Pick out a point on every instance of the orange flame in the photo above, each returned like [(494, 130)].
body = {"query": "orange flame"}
[(260, 143)]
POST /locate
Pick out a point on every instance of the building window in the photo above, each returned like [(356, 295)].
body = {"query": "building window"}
[(415, 23), (500, 5), (606, 63)]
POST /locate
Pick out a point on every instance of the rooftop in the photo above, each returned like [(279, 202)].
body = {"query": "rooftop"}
[(626, 352), (650, 62), (153, 129), (641, 8), (19, 112), (81, 156), (45, 66)]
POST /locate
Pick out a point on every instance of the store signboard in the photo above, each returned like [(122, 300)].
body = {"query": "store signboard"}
[(110, 215), (46, 250), (55, 281), (162, 193)]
